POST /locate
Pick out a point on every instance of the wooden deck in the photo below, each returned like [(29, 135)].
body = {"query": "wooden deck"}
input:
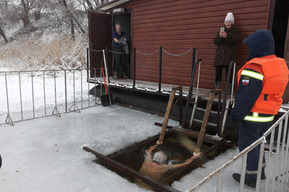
[(152, 87)]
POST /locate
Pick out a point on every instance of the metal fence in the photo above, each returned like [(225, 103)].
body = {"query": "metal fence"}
[(276, 142), (40, 93)]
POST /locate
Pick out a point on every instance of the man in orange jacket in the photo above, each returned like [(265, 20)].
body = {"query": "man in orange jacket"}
[(262, 82)]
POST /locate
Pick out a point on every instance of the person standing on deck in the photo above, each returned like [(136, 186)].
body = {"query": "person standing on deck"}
[(120, 64), (262, 81), (226, 41)]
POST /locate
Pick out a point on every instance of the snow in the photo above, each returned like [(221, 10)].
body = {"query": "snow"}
[(46, 154)]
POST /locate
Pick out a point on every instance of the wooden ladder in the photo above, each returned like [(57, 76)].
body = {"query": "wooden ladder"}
[(205, 120)]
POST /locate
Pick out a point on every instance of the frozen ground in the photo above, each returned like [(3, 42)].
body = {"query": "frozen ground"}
[(46, 154)]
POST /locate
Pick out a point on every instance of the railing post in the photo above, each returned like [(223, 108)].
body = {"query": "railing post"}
[(20, 96), (134, 67), (191, 89), (8, 118), (32, 94), (160, 69), (87, 64), (65, 90)]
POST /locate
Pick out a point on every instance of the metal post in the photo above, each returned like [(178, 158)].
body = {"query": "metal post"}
[(65, 90), (243, 172), (160, 69), (276, 171), (233, 82), (95, 86), (224, 104), (44, 93), (32, 90), (270, 154), (199, 75), (20, 92), (88, 87), (8, 118), (286, 155), (260, 165), (134, 67), (283, 148), (81, 88), (191, 89), (220, 180), (74, 106), (55, 110), (87, 64)]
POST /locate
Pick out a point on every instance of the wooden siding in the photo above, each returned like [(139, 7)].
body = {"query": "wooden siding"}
[(178, 25)]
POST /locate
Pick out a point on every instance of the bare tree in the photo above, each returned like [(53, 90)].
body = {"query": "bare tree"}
[(26, 7)]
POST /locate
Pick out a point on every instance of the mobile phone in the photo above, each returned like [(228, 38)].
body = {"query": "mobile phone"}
[(222, 29)]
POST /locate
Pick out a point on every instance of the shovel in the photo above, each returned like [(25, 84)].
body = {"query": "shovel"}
[(105, 99)]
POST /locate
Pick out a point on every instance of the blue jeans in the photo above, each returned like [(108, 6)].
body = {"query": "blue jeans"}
[(249, 132)]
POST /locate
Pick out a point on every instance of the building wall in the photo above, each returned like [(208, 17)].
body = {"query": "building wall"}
[(179, 25)]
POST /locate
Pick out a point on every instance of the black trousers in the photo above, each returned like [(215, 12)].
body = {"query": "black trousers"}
[(219, 72), (120, 62), (249, 132)]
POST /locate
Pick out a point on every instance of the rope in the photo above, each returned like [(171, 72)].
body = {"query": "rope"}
[(117, 52), (178, 55), (147, 54), (94, 50)]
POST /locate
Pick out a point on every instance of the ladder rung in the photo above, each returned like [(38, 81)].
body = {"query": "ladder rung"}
[(202, 109), (210, 124)]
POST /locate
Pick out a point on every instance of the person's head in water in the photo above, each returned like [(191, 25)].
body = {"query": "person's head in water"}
[(160, 157)]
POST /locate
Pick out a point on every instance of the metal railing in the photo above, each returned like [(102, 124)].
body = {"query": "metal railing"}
[(277, 167), (161, 51), (40, 93)]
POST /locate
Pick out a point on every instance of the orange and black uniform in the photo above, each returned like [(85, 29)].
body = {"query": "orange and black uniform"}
[(262, 82)]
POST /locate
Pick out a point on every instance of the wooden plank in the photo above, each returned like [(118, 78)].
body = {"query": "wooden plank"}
[(167, 115), (205, 122)]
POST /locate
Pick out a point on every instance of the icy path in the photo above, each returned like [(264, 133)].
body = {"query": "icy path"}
[(45, 155)]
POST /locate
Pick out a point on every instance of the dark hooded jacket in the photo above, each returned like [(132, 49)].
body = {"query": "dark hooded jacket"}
[(261, 44), (227, 49)]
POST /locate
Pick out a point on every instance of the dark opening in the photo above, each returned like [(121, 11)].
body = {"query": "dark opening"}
[(280, 23), (124, 19)]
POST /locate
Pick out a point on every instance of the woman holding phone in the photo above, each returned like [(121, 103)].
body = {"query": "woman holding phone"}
[(226, 41)]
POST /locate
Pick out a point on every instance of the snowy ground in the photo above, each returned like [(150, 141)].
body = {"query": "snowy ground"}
[(46, 154)]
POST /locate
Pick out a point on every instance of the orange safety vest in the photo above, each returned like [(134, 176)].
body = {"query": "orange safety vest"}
[(275, 73)]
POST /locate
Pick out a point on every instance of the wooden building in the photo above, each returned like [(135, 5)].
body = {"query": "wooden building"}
[(178, 25)]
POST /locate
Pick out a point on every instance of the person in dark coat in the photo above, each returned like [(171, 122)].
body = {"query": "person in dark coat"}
[(226, 41), (120, 65)]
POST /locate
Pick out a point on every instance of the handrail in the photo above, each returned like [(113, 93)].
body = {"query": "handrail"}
[(240, 155)]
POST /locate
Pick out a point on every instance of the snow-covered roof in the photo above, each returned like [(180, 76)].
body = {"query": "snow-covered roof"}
[(112, 4)]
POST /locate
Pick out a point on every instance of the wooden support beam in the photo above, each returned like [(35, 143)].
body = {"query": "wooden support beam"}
[(168, 112)]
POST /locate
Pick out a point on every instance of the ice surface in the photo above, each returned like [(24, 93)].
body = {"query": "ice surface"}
[(46, 154)]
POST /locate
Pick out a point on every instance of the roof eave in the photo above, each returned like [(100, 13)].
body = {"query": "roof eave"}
[(112, 5)]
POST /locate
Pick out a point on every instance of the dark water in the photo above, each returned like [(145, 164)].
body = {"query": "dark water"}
[(178, 148)]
